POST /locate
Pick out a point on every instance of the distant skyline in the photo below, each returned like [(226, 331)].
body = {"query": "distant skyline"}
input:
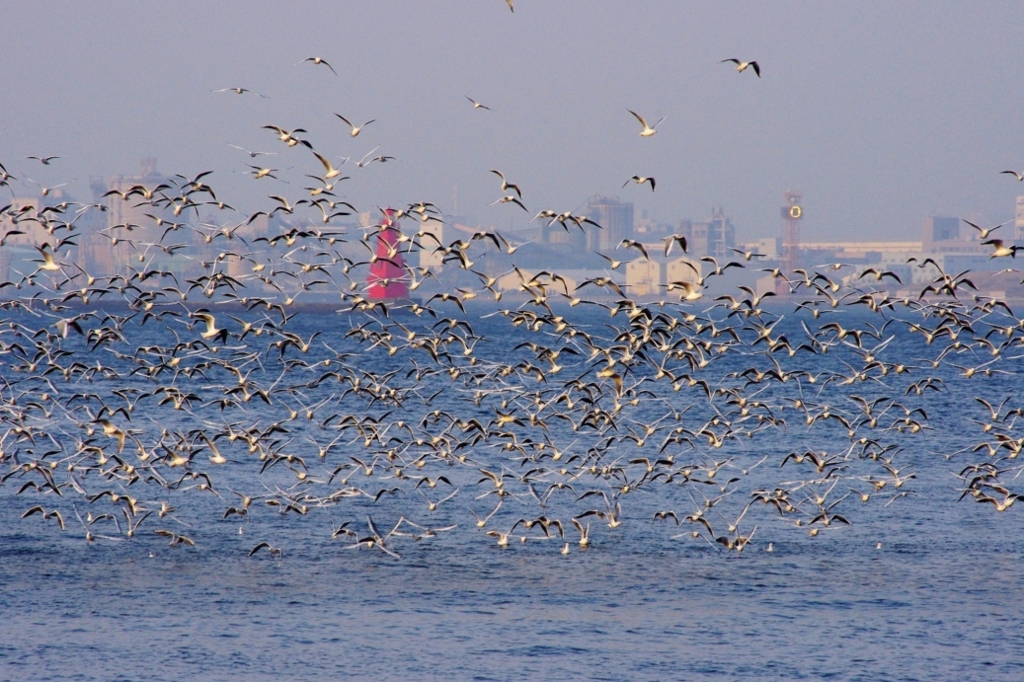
[(879, 113)]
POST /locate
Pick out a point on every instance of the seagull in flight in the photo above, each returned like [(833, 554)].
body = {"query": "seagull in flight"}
[(1019, 176), (648, 129), (640, 180), (274, 551), (511, 198), (259, 173), (741, 66), (241, 91), (329, 170), (362, 163), (48, 263), (318, 60), (506, 185), (45, 160), (983, 233), (672, 240), (355, 129), (211, 326), (1001, 250), (477, 105), (252, 155), (45, 191), (632, 244), (288, 136)]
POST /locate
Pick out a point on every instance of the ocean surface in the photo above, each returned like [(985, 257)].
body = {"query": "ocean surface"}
[(922, 583)]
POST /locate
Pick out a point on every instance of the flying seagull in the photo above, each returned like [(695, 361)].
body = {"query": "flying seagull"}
[(318, 60), (241, 91), (741, 66), (355, 129), (640, 180), (648, 129)]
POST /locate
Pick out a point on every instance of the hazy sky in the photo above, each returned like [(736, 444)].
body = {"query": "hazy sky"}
[(879, 112)]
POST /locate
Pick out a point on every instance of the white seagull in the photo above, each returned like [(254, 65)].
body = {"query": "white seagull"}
[(640, 180), (329, 170), (318, 60), (241, 91), (355, 129), (741, 66), (648, 129)]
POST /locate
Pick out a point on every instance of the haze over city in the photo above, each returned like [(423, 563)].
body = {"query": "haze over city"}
[(880, 114), (511, 339)]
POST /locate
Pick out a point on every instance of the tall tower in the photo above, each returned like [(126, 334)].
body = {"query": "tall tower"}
[(792, 214), (615, 218), (388, 278), (721, 234)]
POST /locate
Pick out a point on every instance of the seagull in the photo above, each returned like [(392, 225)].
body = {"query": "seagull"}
[(1019, 176), (258, 172), (631, 244), (274, 551), (477, 105), (612, 263), (48, 263), (45, 191), (45, 160), (211, 326), (879, 274), (648, 130), (1002, 251), (584, 533), (747, 255), (506, 185), (672, 240), (288, 136), (690, 290), (47, 515), (482, 521), (318, 60), (362, 163), (511, 198), (382, 159), (355, 129), (241, 91), (329, 170), (742, 66), (431, 505), (640, 180), (176, 539), (252, 155), (984, 233)]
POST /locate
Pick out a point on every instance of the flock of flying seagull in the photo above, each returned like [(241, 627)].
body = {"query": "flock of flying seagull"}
[(564, 416)]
